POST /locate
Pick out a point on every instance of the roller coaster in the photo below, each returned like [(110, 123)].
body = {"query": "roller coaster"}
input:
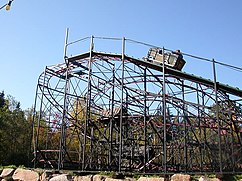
[(100, 111)]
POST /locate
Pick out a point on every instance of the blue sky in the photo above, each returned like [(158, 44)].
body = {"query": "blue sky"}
[(32, 34)]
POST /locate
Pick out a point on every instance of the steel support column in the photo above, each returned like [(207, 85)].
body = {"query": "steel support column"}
[(121, 106), (88, 103), (164, 113), (65, 108), (145, 120), (217, 116), (111, 119), (185, 127)]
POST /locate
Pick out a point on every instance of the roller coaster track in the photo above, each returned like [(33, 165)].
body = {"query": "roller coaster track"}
[(55, 70), (192, 134)]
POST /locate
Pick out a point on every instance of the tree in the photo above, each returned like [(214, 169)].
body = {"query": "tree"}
[(2, 101), (15, 132)]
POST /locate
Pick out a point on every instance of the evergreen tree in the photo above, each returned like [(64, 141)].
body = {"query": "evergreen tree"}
[(15, 133)]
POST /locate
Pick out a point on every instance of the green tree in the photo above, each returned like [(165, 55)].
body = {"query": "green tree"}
[(2, 99), (15, 133)]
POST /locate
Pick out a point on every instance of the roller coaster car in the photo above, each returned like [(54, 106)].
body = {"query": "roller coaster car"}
[(174, 60)]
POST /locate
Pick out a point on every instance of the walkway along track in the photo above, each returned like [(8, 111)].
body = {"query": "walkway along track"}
[(95, 129)]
